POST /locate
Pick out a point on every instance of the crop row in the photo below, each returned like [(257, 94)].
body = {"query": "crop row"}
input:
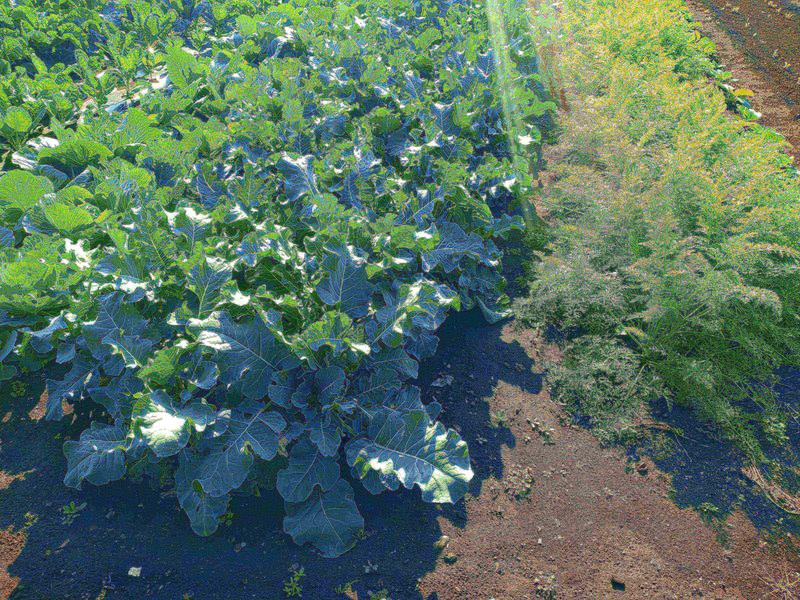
[(235, 226)]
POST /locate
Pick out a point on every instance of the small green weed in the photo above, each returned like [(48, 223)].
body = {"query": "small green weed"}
[(498, 420), (227, 518), (345, 588), (292, 586), (31, 519), (71, 511), (18, 389), (545, 587)]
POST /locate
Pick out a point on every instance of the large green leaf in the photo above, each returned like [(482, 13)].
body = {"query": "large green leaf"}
[(308, 468), (74, 155), (335, 331), (202, 509), (16, 119), (183, 68), (299, 176), (327, 519), (254, 427), (97, 457), (407, 446), (67, 218), (247, 353), (20, 191), (206, 281), (166, 428), (220, 468), (345, 284)]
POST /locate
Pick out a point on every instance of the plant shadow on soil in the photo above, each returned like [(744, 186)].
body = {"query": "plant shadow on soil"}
[(706, 470), (130, 524)]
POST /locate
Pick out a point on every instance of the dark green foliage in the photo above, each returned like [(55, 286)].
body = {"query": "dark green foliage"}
[(240, 226)]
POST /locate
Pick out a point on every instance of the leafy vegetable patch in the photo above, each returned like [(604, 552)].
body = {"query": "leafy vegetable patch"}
[(239, 225)]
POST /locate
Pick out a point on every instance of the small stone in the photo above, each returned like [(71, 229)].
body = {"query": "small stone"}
[(449, 558), (441, 543), (443, 381), (135, 572)]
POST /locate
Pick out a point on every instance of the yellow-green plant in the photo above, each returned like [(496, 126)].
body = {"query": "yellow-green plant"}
[(675, 228)]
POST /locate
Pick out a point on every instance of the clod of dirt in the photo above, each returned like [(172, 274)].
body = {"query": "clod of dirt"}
[(443, 381), (441, 543), (449, 558)]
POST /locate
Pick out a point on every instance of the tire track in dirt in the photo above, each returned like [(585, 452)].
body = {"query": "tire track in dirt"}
[(758, 41)]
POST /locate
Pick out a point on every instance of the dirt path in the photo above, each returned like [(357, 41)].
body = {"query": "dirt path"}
[(594, 524), (759, 42)]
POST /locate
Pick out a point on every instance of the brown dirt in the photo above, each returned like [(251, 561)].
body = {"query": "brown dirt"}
[(589, 521), (11, 545), (759, 42)]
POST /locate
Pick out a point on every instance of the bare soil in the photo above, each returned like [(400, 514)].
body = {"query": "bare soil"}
[(758, 41), (595, 522)]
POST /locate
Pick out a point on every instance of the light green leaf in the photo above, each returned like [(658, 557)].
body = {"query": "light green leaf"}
[(166, 428), (17, 120), (67, 218), (20, 191), (415, 451)]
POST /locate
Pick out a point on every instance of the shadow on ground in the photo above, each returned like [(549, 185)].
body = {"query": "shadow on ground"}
[(707, 473), (129, 524)]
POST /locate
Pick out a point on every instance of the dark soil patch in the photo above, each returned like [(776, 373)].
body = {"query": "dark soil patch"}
[(759, 42), (708, 473)]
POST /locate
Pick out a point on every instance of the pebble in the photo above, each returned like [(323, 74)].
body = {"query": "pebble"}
[(441, 543)]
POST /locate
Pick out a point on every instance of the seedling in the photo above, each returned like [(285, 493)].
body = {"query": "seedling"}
[(71, 511), (292, 587)]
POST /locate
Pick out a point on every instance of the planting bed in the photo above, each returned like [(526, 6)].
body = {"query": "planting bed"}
[(597, 520)]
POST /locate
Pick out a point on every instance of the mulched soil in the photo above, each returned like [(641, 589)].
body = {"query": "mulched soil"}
[(759, 42)]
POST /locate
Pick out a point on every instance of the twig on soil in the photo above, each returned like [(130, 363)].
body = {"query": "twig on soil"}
[(787, 502)]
